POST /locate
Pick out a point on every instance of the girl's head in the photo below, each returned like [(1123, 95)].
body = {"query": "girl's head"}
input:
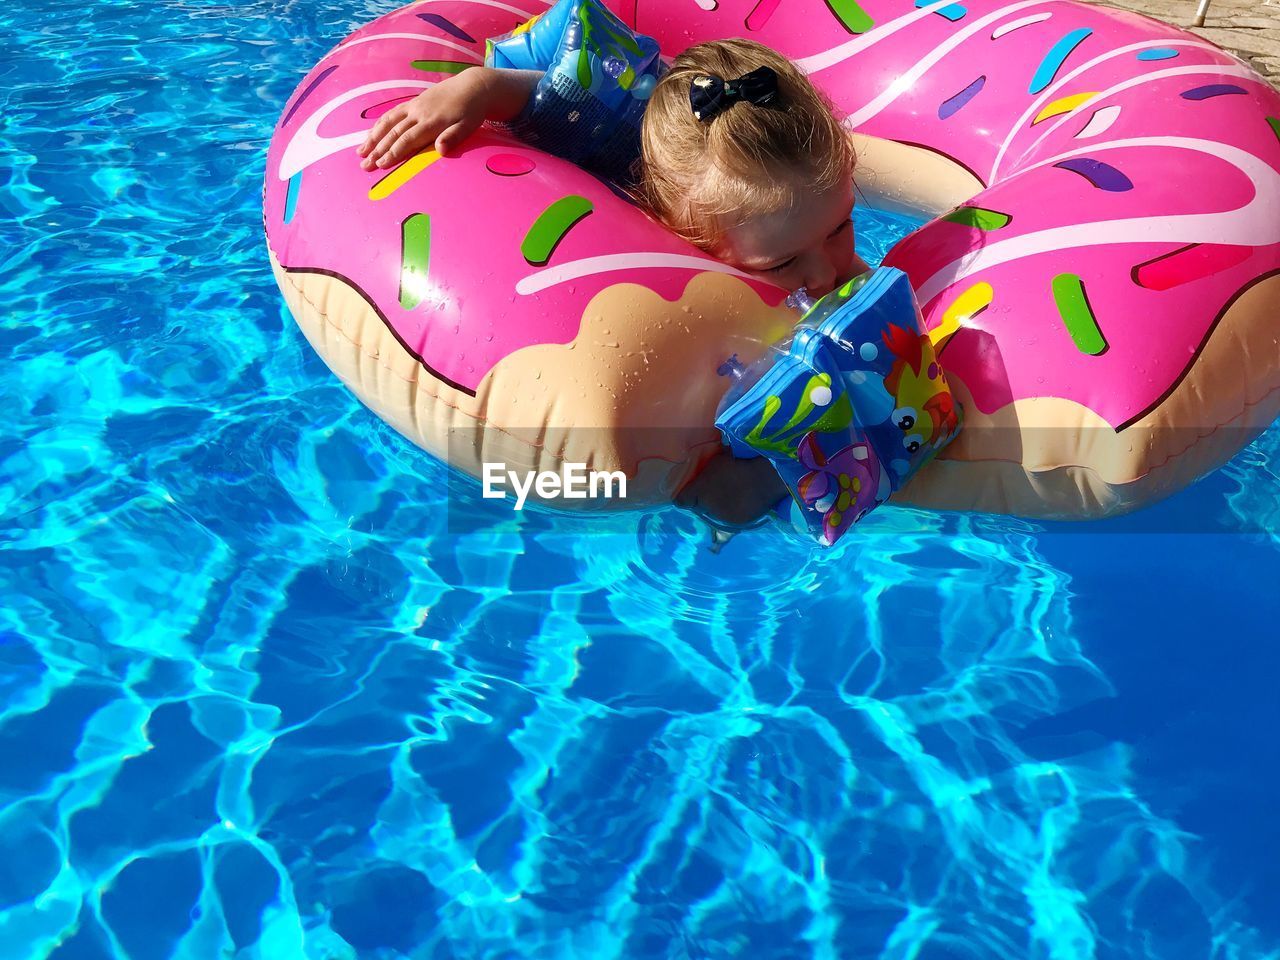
[(765, 188)]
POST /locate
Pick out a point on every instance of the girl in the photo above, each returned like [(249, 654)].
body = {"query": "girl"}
[(740, 155)]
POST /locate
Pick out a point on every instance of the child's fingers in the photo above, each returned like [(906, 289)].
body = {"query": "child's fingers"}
[(406, 146), (390, 145), (451, 137), (379, 131)]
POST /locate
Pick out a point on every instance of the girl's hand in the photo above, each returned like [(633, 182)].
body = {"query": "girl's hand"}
[(733, 493), (443, 116)]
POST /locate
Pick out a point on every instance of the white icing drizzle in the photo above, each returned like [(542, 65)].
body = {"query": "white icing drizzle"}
[(613, 262), (1100, 122), (924, 63), (829, 58), (496, 4), (1252, 225), (999, 32), (470, 54), (1050, 93), (1218, 70)]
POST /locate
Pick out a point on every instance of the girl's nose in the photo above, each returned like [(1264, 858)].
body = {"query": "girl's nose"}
[(821, 279)]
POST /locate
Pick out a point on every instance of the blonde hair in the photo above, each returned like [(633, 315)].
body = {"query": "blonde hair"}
[(702, 179)]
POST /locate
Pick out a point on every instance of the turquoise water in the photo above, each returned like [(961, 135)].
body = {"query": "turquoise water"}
[(258, 701)]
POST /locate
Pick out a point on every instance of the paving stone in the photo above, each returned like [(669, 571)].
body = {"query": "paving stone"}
[(1248, 28), (1243, 23), (1250, 43)]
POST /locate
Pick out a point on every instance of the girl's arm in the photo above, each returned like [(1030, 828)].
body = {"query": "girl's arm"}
[(732, 492), (448, 113)]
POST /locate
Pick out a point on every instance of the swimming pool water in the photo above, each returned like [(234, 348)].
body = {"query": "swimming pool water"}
[(258, 700)]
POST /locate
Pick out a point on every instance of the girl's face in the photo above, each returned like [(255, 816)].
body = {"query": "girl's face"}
[(810, 245)]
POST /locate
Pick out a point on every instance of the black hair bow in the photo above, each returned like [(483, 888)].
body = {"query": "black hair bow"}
[(710, 95)]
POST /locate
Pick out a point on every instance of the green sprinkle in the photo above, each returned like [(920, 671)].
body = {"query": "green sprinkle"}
[(442, 66), (1275, 126), (851, 15), (551, 226), (1073, 307), (979, 217), (415, 251)]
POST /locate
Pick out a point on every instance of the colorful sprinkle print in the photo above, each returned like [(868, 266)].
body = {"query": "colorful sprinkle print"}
[(761, 13), (978, 217), (1192, 262), (1099, 122), (291, 197), (952, 11), (1056, 57), (851, 16), (523, 26), (1101, 175), (952, 104), (415, 253), (510, 164), (1077, 315), (402, 174), (1063, 105), (307, 92), (963, 309), (1212, 90), (442, 66), (1159, 53), (447, 26), (1008, 28), (551, 227)]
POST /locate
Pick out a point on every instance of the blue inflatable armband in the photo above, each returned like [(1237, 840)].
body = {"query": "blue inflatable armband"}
[(853, 409), (527, 48), (597, 81)]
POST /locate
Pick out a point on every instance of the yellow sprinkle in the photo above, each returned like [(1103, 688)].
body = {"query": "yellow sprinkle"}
[(969, 304), (402, 174), (1063, 105), (524, 27)]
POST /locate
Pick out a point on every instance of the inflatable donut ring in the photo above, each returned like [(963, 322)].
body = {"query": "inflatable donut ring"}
[(1101, 277)]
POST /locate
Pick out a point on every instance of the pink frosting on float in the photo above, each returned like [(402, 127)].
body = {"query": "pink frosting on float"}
[(1163, 207)]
